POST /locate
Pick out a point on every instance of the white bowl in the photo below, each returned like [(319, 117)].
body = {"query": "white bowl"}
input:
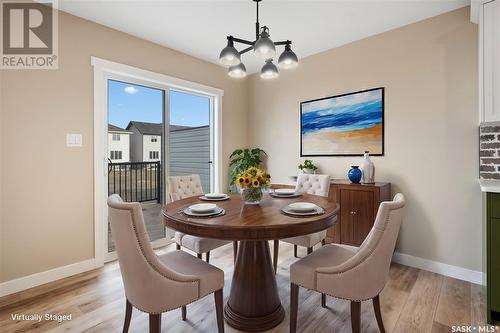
[(202, 208), (215, 195), (302, 206), (284, 191)]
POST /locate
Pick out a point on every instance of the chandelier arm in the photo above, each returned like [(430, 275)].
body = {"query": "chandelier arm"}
[(283, 42), (246, 50), (242, 41)]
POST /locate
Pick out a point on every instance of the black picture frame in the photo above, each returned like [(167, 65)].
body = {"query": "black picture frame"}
[(336, 96)]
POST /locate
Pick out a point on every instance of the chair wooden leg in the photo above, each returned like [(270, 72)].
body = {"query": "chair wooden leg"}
[(218, 310), (295, 251), (155, 323), (199, 256), (378, 314), (128, 316), (294, 303), (323, 242), (309, 250), (177, 247), (183, 313), (323, 300), (207, 257), (356, 317), (276, 248), (235, 251)]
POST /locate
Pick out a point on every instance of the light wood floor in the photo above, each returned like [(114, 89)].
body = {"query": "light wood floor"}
[(413, 301)]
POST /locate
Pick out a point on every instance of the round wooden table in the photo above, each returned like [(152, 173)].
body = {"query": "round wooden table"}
[(253, 303)]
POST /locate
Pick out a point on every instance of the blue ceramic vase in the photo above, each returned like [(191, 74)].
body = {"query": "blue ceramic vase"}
[(354, 174)]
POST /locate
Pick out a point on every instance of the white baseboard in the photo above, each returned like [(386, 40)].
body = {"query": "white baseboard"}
[(440, 268), (37, 279), (456, 272)]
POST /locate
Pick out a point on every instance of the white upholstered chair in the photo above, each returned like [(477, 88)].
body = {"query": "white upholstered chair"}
[(156, 284), (355, 275), (311, 184), (181, 187)]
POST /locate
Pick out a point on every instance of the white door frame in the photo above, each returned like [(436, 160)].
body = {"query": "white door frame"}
[(106, 69)]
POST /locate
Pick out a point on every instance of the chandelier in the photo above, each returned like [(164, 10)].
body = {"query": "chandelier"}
[(263, 47)]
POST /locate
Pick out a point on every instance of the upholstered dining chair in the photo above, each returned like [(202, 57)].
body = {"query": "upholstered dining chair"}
[(156, 284), (355, 275), (181, 187), (311, 184)]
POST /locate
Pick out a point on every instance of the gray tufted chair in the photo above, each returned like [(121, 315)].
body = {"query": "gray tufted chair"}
[(355, 275), (315, 185), (156, 284), (181, 187)]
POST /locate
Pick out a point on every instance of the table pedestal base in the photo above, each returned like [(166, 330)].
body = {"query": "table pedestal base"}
[(254, 304)]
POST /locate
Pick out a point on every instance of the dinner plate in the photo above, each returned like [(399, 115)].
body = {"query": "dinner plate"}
[(204, 198), (317, 211), (295, 195), (302, 207), (284, 191), (202, 208), (216, 212), (214, 195)]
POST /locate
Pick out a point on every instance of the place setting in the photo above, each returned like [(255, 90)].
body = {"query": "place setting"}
[(203, 210), (285, 193), (302, 209), (214, 196)]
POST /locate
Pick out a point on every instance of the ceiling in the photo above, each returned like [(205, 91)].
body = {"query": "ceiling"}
[(199, 28)]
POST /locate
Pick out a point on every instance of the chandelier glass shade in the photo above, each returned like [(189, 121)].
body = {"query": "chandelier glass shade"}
[(237, 71), (288, 59), (229, 56), (269, 70), (263, 48)]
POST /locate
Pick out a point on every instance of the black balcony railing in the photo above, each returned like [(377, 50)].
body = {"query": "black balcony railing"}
[(135, 181)]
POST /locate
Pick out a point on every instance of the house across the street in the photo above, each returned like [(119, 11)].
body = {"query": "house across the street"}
[(145, 144), (118, 144)]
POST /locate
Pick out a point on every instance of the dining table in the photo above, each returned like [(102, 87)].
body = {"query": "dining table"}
[(253, 304)]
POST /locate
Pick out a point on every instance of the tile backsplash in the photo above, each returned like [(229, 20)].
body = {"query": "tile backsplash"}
[(489, 151)]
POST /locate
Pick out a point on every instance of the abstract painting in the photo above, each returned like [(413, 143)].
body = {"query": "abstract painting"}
[(343, 125)]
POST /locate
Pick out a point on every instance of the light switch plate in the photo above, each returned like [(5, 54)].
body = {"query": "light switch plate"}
[(73, 140)]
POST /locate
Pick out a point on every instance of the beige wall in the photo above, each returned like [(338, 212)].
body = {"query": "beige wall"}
[(429, 70), (47, 189)]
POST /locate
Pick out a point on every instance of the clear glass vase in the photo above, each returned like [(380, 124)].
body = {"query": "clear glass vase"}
[(251, 196)]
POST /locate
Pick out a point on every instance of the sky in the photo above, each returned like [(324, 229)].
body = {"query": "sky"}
[(337, 103), (128, 102)]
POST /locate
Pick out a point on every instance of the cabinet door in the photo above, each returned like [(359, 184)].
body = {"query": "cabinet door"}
[(347, 232), (494, 263), (362, 208), (490, 55), (356, 214), (333, 233)]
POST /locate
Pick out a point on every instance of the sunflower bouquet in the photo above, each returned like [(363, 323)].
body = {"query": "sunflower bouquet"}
[(251, 182)]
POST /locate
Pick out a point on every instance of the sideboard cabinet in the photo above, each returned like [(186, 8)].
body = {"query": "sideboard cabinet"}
[(358, 208)]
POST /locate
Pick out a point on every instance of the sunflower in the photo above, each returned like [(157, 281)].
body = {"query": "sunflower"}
[(255, 183), (241, 180), (247, 180)]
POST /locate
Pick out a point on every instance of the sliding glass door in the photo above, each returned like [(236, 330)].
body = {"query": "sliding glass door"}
[(135, 150), (154, 132), (190, 143)]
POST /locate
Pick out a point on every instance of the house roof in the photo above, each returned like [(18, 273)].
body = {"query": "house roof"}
[(113, 128), (153, 128)]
